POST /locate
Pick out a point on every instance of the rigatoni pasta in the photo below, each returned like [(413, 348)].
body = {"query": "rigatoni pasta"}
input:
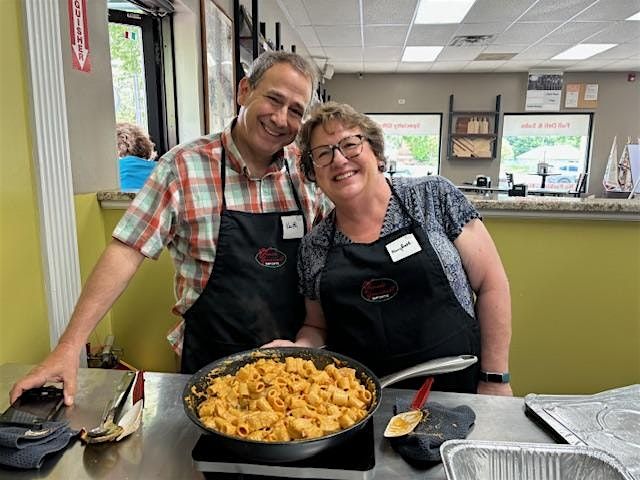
[(274, 401)]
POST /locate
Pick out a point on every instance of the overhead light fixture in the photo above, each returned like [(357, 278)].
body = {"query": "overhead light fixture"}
[(443, 11), (635, 17), (584, 50), (421, 54)]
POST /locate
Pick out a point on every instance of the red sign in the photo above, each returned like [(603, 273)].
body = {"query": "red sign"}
[(79, 32)]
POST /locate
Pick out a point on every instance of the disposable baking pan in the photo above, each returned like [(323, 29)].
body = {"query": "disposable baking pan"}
[(473, 460), (608, 420)]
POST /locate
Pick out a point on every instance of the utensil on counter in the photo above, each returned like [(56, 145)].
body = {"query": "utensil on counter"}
[(280, 452), (108, 428), (405, 422)]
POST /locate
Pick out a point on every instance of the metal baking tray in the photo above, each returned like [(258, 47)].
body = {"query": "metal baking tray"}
[(474, 459), (608, 420)]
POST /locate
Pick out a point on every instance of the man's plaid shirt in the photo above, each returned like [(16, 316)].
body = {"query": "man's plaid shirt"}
[(179, 206)]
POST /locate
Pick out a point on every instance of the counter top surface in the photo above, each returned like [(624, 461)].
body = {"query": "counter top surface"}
[(162, 447), (494, 204)]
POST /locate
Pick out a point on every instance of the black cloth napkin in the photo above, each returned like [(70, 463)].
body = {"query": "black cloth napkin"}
[(421, 447), (26, 447)]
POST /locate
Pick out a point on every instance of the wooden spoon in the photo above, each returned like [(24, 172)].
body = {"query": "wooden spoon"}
[(405, 422)]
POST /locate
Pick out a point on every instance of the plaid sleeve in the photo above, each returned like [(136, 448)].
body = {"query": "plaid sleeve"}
[(149, 222)]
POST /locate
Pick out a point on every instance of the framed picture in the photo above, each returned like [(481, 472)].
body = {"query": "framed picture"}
[(217, 61)]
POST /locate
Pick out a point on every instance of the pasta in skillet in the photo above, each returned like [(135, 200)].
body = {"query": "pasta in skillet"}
[(275, 401)]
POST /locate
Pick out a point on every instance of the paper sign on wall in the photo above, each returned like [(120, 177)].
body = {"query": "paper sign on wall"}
[(544, 90), (79, 35)]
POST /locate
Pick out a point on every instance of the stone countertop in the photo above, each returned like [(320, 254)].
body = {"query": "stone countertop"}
[(496, 205)]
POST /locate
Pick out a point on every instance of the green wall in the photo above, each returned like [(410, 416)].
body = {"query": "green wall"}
[(575, 288), (24, 327)]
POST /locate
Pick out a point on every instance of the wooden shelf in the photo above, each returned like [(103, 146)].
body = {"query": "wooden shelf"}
[(493, 116), (476, 135)]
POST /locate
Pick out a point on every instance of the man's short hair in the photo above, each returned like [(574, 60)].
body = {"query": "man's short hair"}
[(270, 58)]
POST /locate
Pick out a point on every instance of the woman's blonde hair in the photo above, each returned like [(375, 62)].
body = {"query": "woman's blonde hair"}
[(348, 117), (132, 140)]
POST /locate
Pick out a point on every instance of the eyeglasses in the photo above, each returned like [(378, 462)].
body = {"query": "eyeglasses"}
[(349, 147)]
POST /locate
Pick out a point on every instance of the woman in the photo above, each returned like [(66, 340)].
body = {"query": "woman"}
[(136, 153), (389, 277)]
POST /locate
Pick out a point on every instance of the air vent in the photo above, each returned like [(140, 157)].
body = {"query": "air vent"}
[(470, 40), (495, 56)]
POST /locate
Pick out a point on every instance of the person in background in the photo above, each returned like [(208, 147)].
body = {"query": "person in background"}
[(231, 208), (136, 155), (401, 271)]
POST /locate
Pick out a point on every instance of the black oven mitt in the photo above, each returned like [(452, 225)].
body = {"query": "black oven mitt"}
[(421, 447), (26, 447)]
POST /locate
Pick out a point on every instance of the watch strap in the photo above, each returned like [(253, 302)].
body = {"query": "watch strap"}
[(495, 377)]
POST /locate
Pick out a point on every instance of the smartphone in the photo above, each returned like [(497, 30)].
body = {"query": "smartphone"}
[(34, 406)]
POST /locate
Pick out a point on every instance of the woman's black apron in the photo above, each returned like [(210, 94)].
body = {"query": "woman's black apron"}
[(252, 294), (392, 315)]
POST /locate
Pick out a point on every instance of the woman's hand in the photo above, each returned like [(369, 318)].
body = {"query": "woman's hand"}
[(278, 342), (491, 388)]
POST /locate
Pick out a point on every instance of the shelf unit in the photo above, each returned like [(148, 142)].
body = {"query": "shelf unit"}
[(492, 115)]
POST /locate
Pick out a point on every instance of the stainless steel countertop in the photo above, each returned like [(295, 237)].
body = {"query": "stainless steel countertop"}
[(162, 447)]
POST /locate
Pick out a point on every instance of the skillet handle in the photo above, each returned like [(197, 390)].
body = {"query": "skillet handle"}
[(432, 367)]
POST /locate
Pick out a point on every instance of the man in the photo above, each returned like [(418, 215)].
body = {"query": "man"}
[(231, 208)]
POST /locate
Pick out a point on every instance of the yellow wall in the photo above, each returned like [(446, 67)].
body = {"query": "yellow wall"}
[(24, 327), (575, 288)]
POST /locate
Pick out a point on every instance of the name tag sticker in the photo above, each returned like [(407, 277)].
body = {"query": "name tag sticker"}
[(403, 247), (292, 226)]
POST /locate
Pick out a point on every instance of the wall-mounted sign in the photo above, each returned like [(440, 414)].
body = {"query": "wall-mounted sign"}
[(544, 90), (79, 34)]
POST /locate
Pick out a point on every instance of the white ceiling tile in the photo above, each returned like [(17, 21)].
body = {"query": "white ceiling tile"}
[(448, 66), (621, 52), (316, 52), (573, 33), (628, 65), (482, 66), (492, 10), (587, 66), (308, 36), (333, 12), (384, 36), (619, 32), (414, 67), (339, 36), (554, 64), (380, 67), (555, 10), (513, 66), (540, 52), (431, 35), (381, 12), (382, 54), (527, 33), (450, 54), (504, 48), (347, 54), (347, 67), (610, 10), (296, 10), (489, 28)]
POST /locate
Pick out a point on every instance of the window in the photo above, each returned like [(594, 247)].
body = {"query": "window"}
[(412, 142), (545, 150), (137, 65)]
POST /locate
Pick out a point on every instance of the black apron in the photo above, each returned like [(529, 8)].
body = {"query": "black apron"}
[(252, 294), (394, 315)]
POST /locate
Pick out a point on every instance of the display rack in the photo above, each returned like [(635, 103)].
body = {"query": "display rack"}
[(471, 138)]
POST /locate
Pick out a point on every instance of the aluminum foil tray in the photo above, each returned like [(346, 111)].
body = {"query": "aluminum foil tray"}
[(608, 420), (474, 460)]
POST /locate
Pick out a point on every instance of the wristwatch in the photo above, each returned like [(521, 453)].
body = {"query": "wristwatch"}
[(495, 377)]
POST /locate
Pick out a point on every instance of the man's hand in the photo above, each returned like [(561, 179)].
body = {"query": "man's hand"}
[(60, 366), (491, 388)]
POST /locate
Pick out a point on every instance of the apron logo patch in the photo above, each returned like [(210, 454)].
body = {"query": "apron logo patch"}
[(379, 289), (270, 257)]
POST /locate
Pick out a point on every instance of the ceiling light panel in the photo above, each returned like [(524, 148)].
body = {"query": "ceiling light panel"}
[(421, 54), (584, 50), (635, 17), (442, 11)]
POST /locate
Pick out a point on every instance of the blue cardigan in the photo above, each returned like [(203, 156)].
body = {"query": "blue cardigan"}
[(134, 172)]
